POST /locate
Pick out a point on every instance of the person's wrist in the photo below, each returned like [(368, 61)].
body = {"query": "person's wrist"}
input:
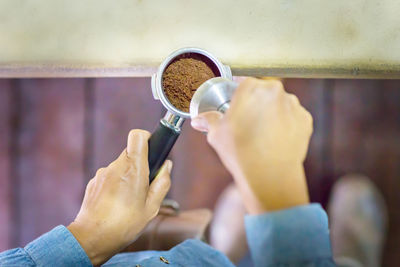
[(84, 235), (281, 186)]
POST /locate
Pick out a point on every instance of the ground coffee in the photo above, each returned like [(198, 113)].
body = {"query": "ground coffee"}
[(182, 78)]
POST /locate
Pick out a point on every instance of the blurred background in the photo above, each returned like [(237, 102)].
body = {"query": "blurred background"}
[(55, 133)]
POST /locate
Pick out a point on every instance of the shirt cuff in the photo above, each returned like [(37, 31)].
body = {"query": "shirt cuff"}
[(57, 248), (294, 235)]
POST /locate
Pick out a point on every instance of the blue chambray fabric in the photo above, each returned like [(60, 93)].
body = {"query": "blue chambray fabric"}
[(294, 237), (297, 236), (55, 248)]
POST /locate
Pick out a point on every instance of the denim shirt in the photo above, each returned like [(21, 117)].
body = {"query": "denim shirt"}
[(294, 237)]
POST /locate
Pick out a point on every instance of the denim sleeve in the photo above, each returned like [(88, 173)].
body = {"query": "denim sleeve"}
[(293, 237), (55, 248), (191, 252)]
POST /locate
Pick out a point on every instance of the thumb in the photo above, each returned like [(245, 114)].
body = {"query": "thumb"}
[(206, 121)]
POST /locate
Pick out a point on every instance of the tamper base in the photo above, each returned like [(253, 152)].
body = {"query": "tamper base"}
[(213, 95)]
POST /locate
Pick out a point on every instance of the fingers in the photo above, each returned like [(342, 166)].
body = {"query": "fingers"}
[(137, 145), (100, 172), (252, 83), (295, 101), (137, 154), (303, 114), (132, 164), (159, 188), (89, 186), (206, 121), (243, 89), (309, 122), (254, 94)]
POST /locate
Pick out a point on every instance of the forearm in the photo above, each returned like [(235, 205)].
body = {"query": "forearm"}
[(288, 187), (275, 187)]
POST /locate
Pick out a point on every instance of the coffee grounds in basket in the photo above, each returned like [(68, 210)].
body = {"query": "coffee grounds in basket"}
[(182, 78)]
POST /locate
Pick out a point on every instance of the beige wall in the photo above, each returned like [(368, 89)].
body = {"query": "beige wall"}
[(321, 38)]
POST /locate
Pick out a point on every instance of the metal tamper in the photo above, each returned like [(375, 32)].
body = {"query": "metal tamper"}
[(167, 132), (213, 95)]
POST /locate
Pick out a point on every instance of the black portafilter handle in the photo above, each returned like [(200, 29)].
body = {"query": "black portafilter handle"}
[(160, 144)]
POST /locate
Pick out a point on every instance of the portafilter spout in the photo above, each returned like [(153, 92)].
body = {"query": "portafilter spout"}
[(213, 95)]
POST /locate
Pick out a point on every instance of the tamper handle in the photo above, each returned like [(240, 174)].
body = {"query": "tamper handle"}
[(160, 144)]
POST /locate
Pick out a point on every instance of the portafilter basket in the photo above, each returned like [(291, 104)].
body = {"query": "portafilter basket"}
[(168, 130)]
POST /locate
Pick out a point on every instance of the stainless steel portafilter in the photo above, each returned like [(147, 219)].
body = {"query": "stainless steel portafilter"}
[(167, 132)]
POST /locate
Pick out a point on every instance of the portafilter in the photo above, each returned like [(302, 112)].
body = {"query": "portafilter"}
[(167, 132)]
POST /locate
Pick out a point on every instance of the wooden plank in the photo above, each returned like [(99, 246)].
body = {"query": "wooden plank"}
[(199, 177), (304, 38), (119, 106), (50, 164), (366, 130), (5, 166), (315, 96)]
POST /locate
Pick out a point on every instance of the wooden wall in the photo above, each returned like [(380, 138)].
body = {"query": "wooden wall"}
[(357, 130), (6, 204), (54, 134)]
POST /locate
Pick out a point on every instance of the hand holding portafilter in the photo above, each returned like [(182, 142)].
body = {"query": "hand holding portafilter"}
[(167, 132)]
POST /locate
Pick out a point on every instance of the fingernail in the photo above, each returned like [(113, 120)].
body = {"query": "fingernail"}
[(200, 124)]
